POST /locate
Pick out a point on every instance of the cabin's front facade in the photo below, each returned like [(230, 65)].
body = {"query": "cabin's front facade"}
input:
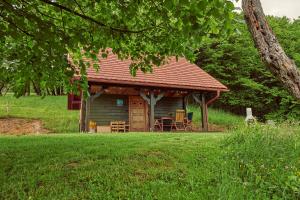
[(117, 96)]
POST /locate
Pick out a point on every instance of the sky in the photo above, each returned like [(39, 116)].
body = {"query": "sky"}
[(289, 8)]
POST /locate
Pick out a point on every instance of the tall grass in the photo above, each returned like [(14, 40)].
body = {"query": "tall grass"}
[(261, 162), (218, 117)]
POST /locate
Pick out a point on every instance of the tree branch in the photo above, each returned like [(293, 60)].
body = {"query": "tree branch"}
[(271, 52), (16, 26), (88, 18)]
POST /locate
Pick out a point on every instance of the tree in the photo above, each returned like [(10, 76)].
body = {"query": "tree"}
[(40, 32), (236, 63), (269, 48)]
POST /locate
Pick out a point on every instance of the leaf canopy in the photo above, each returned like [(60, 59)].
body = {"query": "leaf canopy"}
[(39, 33)]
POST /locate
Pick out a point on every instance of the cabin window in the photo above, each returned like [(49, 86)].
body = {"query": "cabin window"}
[(120, 102)]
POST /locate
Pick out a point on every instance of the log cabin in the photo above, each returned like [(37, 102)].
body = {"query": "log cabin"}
[(116, 95)]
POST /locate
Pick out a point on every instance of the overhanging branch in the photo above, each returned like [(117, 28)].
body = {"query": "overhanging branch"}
[(88, 18)]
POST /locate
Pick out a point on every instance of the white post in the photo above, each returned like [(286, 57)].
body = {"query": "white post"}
[(249, 116)]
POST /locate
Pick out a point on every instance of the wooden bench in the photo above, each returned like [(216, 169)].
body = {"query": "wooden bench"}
[(119, 126)]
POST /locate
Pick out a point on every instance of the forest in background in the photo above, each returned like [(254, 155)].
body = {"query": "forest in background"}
[(236, 63)]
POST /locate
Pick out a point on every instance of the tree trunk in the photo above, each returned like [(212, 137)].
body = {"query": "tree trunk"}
[(272, 54), (27, 88), (37, 88), (1, 88), (53, 92)]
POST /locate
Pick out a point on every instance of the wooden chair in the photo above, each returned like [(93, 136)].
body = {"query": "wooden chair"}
[(188, 122), (158, 125), (179, 122)]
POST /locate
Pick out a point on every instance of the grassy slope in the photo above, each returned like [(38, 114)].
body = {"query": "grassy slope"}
[(112, 166), (53, 111), (218, 117)]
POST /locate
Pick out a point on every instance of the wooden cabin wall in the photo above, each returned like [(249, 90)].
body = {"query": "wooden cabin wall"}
[(167, 106), (104, 109)]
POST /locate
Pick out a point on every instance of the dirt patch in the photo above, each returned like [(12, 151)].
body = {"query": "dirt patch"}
[(211, 128), (216, 128), (72, 164), (18, 126)]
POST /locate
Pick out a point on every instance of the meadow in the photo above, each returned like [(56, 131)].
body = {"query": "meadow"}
[(245, 162)]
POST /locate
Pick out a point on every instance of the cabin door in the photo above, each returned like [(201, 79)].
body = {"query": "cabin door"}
[(138, 114)]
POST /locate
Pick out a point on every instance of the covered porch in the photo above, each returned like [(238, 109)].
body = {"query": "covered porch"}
[(141, 108)]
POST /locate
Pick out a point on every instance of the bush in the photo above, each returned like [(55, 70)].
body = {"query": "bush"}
[(262, 162)]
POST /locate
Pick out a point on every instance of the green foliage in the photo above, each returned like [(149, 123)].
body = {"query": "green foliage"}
[(38, 34), (264, 160), (236, 63)]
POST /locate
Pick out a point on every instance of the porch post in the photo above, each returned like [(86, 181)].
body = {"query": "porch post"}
[(87, 115), (204, 113), (152, 100), (82, 115), (152, 104)]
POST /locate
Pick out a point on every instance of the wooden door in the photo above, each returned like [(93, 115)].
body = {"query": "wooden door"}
[(137, 114)]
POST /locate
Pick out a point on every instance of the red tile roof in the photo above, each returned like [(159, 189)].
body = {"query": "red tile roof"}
[(179, 74)]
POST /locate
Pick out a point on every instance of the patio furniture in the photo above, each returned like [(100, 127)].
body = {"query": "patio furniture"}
[(179, 122), (103, 129), (166, 123), (158, 125), (118, 126), (188, 122)]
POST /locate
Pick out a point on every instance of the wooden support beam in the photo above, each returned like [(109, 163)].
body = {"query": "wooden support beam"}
[(196, 98), (205, 102), (144, 96), (87, 115), (152, 104), (98, 94), (199, 101), (152, 100), (204, 112), (159, 97), (82, 115)]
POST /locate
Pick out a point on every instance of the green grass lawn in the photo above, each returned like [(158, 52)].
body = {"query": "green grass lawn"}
[(52, 110), (250, 163), (112, 166)]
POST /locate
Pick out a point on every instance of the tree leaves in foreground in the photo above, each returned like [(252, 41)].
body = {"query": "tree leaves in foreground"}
[(36, 35), (236, 63)]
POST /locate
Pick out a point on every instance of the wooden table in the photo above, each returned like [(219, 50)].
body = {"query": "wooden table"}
[(166, 125)]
